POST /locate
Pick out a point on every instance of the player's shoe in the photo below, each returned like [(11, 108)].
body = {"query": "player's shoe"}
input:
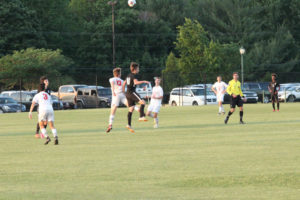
[(277, 110), (109, 128), (130, 128), (219, 113), (226, 120), (155, 126), (143, 119), (274, 110), (223, 113), (242, 122), (47, 140), (37, 136), (56, 141)]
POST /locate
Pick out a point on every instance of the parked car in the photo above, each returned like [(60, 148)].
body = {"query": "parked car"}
[(249, 95), (191, 96), (22, 97), (263, 95), (290, 94), (144, 90), (89, 97), (9, 105), (68, 94)]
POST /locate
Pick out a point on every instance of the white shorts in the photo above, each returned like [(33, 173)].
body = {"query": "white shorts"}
[(117, 99), (154, 107), (46, 116), (220, 97)]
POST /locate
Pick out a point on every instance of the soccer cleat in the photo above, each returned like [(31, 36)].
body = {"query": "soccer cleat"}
[(219, 113), (155, 126), (277, 110), (56, 141), (226, 120), (109, 128), (143, 119), (242, 122), (223, 112), (130, 128), (47, 140), (37, 136), (274, 110)]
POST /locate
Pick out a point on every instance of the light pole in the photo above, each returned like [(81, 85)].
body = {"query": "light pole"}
[(242, 52), (113, 3)]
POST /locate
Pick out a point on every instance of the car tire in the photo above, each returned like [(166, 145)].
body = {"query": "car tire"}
[(195, 103), (1, 111), (291, 98), (174, 103), (79, 105), (102, 104)]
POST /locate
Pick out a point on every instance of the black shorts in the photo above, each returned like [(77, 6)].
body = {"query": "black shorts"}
[(274, 97), (133, 98), (237, 101)]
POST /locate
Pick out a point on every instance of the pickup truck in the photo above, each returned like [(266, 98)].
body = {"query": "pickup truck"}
[(68, 94)]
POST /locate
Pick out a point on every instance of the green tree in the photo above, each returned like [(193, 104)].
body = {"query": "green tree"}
[(19, 27), (28, 65), (171, 74)]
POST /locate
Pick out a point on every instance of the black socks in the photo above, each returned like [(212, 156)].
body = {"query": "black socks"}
[(277, 106), (142, 112), (129, 118), (37, 128), (241, 115), (273, 104)]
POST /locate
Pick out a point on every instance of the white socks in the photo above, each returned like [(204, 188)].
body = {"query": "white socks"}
[(44, 132), (156, 120), (221, 109), (54, 132), (111, 119)]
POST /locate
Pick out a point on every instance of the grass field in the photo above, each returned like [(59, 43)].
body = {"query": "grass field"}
[(193, 155)]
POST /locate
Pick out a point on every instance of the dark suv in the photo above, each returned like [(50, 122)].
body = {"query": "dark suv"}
[(263, 95), (90, 97)]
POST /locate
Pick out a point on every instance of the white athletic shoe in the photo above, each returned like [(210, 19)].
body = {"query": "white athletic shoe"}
[(155, 126)]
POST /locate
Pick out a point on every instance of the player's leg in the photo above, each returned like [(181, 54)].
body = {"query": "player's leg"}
[(129, 118), (37, 132), (220, 107), (241, 115), (44, 131), (54, 132), (277, 101), (232, 109), (155, 116), (137, 98), (273, 102)]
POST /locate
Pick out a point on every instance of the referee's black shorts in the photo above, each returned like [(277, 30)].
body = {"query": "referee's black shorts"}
[(237, 101), (133, 98)]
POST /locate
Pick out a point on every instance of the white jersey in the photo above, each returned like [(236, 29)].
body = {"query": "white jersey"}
[(220, 87), (157, 91), (44, 100), (118, 84)]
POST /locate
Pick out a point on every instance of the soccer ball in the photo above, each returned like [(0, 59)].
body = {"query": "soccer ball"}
[(131, 3)]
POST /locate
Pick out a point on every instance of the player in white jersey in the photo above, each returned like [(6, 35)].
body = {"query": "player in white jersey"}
[(118, 96), (155, 103), (46, 113), (219, 89)]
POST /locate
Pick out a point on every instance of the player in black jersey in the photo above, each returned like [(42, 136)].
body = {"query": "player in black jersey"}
[(132, 96), (274, 87), (44, 80)]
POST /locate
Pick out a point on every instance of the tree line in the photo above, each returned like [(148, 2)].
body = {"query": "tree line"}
[(186, 40)]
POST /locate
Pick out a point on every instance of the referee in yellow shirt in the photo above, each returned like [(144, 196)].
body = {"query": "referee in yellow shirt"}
[(237, 97)]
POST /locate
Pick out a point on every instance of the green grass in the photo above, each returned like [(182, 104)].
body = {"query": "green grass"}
[(193, 155)]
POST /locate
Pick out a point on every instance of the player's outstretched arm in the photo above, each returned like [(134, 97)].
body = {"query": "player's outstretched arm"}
[(137, 82)]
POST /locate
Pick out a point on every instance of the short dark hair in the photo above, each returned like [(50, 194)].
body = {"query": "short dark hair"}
[(42, 87), (42, 79), (134, 66), (273, 74)]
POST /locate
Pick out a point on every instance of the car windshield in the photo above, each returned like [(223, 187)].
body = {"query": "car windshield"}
[(79, 86), (7, 100), (104, 92), (54, 97), (198, 92)]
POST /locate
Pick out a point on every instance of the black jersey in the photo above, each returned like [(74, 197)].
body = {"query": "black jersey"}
[(274, 87), (130, 83)]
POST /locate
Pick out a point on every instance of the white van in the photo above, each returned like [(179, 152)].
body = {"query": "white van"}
[(191, 97)]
